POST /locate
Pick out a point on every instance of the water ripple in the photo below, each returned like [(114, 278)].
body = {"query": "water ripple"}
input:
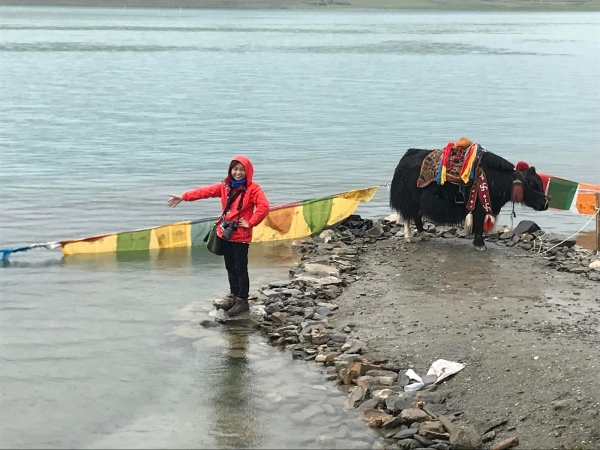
[(398, 47)]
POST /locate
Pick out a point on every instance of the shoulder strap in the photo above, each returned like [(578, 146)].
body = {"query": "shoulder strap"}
[(241, 202), (230, 200)]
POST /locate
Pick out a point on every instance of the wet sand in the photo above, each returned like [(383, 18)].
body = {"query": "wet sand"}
[(528, 335)]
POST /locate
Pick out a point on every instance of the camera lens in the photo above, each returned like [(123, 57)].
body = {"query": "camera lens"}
[(228, 227)]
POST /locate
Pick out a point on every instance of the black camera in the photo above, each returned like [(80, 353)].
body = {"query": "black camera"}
[(227, 227)]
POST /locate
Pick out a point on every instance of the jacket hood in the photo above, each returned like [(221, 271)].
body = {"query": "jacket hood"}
[(247, 166)]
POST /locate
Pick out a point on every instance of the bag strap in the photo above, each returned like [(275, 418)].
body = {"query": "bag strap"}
[(241, 202), (231, 199)]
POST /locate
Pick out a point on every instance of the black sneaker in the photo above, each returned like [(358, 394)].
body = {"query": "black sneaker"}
[(240, 306), (228, 303)]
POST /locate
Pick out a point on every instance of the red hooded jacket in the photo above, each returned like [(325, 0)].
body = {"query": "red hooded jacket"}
[(255, 205)]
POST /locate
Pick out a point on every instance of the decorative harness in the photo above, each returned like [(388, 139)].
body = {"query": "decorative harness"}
[(480, 189), (470, 170)]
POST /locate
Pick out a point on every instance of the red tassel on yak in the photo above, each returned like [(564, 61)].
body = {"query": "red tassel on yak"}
[(516, 194), (488, 223)]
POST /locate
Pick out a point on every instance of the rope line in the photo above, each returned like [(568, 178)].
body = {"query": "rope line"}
[(565, 240)]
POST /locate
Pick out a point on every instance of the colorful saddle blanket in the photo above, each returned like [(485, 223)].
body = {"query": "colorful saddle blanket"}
[(455, 164)]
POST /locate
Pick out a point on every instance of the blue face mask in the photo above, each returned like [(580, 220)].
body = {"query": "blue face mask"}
[(236, 184)]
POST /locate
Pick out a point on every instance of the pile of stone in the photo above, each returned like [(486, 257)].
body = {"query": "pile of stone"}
[(293, 312)]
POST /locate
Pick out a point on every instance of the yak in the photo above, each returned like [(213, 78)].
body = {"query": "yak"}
[(446, 204)]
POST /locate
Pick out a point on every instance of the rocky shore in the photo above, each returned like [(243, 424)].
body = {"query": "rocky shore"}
[(335, 311)]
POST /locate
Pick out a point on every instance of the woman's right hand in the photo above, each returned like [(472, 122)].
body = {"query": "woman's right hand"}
[(174, 201)]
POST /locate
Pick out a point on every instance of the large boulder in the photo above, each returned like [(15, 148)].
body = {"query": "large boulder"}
[(465, 438)]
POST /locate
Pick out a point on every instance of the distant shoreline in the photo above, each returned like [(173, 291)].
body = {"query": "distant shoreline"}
[(423, 5)]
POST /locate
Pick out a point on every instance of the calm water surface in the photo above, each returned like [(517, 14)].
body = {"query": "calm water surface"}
[(105, 112)]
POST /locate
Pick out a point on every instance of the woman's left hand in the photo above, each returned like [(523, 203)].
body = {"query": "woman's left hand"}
[(243, 223)]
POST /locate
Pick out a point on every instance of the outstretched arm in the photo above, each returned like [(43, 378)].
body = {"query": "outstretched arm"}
[(213, 190)]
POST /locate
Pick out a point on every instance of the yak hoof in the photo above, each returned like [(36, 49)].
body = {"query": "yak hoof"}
[(408, 239), (481, 248), (422, 236)]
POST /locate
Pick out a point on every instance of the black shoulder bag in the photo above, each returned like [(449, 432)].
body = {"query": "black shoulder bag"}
[(213, 243)]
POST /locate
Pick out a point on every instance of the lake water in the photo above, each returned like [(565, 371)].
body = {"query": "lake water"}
[(107, 111)]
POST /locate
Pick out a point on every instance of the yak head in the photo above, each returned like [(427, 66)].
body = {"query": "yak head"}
[(527, 188)]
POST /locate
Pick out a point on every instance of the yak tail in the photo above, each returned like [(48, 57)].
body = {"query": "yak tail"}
[(469, 224)]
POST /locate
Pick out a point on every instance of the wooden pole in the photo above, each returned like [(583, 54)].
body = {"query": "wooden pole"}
[(597, 224)]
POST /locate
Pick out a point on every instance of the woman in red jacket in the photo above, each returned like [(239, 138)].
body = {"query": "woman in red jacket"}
[(247, 209)]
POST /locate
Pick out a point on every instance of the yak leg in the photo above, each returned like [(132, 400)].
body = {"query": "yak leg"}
[(421, 235), (478, 242), (407, 233), (419, 224), (420, 229), (478, 218)]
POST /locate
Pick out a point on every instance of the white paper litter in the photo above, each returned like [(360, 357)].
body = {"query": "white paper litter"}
[(413, 386), (441, 368)]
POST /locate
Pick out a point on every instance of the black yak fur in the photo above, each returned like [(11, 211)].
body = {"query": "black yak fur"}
[(437, 203)]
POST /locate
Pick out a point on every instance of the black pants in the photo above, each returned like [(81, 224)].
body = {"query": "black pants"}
[(236, 263)]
